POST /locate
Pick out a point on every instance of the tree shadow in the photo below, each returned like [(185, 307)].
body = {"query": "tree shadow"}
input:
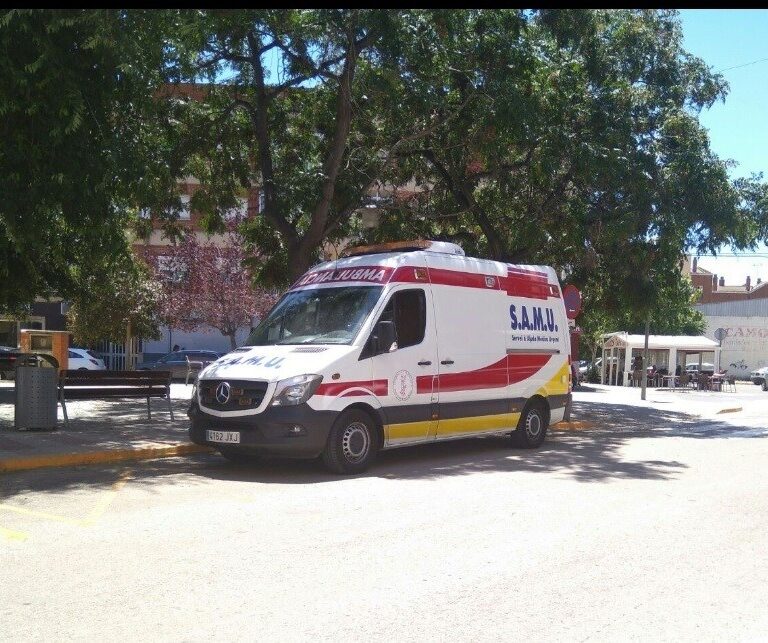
[(593, 455)]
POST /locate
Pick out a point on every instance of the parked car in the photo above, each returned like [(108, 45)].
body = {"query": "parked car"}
[(582, 366), (176, 362), (759, 376), (11, 357), (8, 358), (81, 359), (707, 368)]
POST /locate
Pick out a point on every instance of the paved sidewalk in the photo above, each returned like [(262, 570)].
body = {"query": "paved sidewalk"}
[(705, 404), (99, 431), (113, 430)]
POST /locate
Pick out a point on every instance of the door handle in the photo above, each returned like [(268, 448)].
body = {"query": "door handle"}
[(446, 362), (425, 363)]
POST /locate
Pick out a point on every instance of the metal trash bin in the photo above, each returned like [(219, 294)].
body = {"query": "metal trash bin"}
[(36, 393)]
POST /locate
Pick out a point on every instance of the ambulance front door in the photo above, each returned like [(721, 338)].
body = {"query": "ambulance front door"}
[(409, 367)]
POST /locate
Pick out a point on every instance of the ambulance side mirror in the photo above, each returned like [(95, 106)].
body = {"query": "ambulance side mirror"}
[(384, 336)]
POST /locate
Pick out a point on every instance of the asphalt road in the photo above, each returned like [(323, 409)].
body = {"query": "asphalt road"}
[(654, 528)]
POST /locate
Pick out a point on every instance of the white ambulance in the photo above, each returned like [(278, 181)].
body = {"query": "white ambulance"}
[(392, 345)]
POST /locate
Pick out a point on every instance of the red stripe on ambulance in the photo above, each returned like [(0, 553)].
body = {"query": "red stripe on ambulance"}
[(510, 370), (342, 389)]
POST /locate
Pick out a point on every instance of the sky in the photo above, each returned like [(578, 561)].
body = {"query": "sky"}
[(734, 42)]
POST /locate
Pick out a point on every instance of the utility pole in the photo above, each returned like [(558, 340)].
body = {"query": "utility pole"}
[(645, 357)]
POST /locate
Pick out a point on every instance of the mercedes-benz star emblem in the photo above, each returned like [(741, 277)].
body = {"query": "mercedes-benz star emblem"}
[(222, 393)]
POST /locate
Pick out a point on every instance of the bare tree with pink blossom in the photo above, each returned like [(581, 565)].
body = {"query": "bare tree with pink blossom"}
[(206, 284)]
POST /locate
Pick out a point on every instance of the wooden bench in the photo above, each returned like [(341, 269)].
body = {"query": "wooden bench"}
[(99, 385)]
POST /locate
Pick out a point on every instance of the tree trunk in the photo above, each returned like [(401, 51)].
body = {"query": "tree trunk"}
[(645, 357)]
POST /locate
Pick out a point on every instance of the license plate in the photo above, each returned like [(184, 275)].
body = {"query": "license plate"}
[(223, 436)]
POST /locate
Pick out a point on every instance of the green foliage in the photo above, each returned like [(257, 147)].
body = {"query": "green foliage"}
[(593, 375), (120, 296), (75, 159), (569, 137), (672, 314)]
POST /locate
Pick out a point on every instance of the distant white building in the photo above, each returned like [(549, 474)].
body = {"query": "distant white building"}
[(745, 345)]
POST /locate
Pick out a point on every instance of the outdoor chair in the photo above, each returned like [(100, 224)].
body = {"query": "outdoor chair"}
[(683, 381), (730, 383)]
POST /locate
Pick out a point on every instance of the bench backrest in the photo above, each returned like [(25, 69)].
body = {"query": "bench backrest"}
[(115, 378)]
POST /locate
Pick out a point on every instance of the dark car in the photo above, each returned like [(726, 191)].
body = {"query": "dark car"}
[(8, 358), (11, 357), (176, 362)]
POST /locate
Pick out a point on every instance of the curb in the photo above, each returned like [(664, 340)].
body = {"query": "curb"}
[(576, 424), (734, 409), (99, 457)]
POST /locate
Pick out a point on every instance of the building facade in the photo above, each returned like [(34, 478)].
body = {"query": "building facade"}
[(741, 311)]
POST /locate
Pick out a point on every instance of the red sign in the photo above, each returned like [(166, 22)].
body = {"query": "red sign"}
[(572, 301)]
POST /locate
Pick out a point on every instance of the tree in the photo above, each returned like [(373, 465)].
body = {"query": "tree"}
[(567, 138), (75, 100), (207, 285), (672, 314), (119, 299), (576, 144)]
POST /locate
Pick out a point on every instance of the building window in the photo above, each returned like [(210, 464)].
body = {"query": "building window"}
[(238, 212), (184, 213), (172, 267)]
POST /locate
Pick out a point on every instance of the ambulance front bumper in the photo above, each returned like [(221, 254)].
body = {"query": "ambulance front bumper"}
[(293, 431)]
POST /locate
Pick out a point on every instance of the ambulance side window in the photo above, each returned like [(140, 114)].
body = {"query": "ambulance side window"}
[(408, 309)]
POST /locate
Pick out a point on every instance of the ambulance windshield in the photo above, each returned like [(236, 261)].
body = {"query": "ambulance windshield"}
[(317, 316)]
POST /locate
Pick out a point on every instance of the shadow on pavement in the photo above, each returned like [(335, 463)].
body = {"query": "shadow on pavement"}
[(107, 424), (592, 455)]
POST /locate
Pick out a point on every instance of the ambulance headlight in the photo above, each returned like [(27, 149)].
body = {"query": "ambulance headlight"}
[(295, 390)]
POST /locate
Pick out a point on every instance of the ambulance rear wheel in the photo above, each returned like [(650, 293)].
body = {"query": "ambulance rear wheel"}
[(352, 443), (532, 426)]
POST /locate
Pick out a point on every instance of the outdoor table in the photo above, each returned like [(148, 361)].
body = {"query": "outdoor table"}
[(669, 381)]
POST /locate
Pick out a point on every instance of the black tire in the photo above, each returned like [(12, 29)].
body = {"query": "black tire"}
[(765, 385), (532, 426), (352, 443), (238, 457)]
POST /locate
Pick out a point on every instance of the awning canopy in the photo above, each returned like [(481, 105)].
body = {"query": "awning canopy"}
[(683, 343)]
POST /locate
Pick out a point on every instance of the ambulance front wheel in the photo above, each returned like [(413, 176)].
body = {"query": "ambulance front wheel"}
[(532, 427), (352, 443)]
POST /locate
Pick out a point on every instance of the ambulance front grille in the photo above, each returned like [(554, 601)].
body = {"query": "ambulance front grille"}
[(234, 395)]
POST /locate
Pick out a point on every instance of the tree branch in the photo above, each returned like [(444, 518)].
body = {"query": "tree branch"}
[(264, 144)]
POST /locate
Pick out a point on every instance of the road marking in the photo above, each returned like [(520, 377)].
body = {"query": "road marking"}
[(11, 534), (103, 504)]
